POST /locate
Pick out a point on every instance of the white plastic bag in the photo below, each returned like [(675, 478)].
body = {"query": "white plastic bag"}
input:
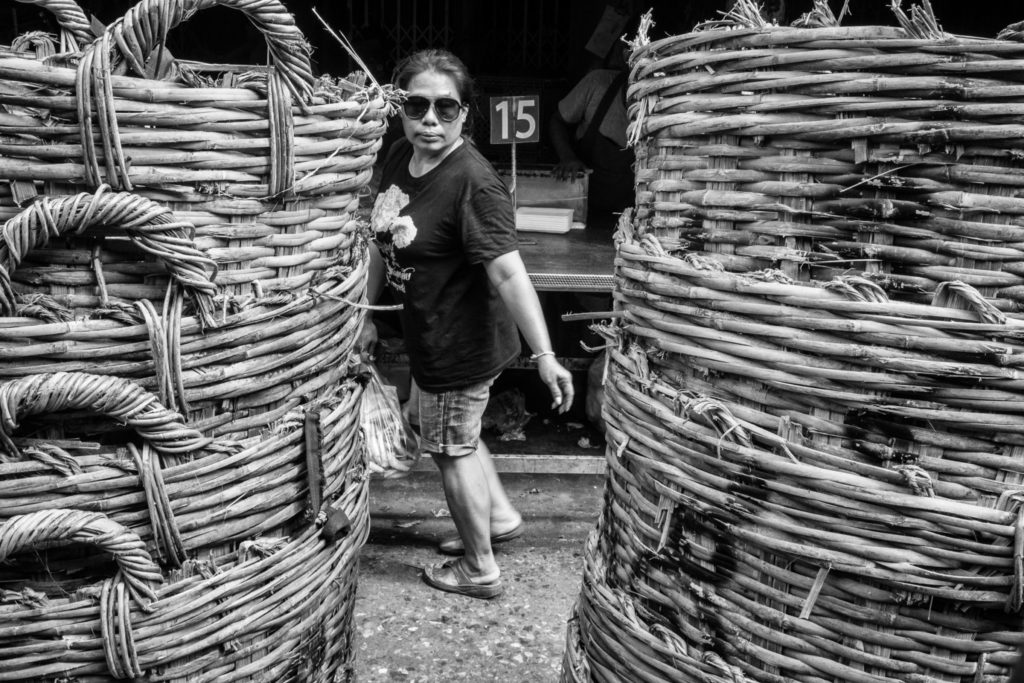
[(392, 445)]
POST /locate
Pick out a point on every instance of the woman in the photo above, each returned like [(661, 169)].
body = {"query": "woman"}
[(447, 241)]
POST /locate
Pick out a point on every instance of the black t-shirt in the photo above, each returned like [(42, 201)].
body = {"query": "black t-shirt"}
[(457, 330)]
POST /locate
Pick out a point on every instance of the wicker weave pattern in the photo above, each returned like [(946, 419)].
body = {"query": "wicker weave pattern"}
[(575, 668), (779, 562), (261, 167), (222, 606), (149, 225), (210, 307), (821, 151), (266, 163), (201, 477), (253, 358), (813, 402), (794, 468)]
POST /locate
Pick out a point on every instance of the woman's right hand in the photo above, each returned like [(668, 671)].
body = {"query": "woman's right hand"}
[(558, 381)]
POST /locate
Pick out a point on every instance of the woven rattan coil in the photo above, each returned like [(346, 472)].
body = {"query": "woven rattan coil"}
[(266, 162), (235, 558), (806, 481), (75, 30), (575, 667), (222, 359), (894, 152), (813, 399)]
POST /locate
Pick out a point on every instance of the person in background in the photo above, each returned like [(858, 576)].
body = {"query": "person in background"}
[(588, 133), (588, 128), (447, 248)]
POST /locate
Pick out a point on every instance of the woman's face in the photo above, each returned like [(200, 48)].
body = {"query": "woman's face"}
[(430, 135)]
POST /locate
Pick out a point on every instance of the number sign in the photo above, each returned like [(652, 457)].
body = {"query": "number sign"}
[(515, 118)]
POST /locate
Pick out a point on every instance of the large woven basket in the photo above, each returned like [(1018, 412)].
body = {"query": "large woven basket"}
[(173, 556), (815, 462), (821, 150), (218, 332), (266, 162), (806, 482), (158, 317)]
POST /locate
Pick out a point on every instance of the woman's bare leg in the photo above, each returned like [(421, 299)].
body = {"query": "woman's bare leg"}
[(467, 490), (504, 516)]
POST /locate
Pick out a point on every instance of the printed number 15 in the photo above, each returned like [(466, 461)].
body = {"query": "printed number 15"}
[(521, 114)]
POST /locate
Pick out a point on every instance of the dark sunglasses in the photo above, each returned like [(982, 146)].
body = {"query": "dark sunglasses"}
[(446, 108)]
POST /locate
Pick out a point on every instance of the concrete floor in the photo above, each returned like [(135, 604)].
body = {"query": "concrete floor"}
[(407, 631)]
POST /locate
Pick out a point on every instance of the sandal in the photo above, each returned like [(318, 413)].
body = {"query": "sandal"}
[(452, 545), (465, 585)]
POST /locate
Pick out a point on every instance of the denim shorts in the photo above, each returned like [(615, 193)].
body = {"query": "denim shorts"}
[(450, 422)]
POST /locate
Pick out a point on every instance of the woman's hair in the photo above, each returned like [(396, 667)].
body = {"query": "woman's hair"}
[(442, 62)]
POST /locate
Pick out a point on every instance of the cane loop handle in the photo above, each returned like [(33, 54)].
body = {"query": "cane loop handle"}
[(38, 530), (137, 40), (144, 27), (962, 296), (149, 225), (856, 288), (70, 18), (115, 397), (136, 576)]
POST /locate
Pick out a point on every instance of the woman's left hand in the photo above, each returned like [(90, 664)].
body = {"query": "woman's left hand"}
[(558, 381), (366, 342)]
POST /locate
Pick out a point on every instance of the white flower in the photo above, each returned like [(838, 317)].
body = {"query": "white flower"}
[(385, 218), (403, 231), (387, 207)]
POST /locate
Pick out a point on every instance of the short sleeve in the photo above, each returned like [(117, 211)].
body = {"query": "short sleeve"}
[(488, 222)]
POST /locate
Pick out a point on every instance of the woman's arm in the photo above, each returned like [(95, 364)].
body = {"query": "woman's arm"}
[(375, 276), (374, 286), (508, 275)]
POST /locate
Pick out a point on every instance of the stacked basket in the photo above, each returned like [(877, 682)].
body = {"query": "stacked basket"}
[(261, 170), (815, 413), (182, 255)]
